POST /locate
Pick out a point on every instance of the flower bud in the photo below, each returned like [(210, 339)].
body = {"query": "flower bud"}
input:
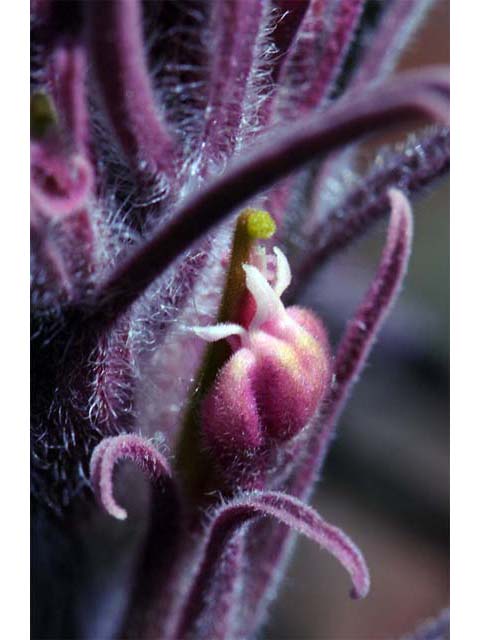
[(272, 384)]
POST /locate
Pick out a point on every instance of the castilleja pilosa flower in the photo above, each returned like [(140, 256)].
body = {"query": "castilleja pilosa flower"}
[(271, 386), (152, 126)]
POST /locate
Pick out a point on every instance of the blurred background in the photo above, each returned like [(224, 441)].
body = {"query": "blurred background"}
[(386, 480)]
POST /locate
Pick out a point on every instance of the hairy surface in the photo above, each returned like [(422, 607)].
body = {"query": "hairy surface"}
[(152, 124)]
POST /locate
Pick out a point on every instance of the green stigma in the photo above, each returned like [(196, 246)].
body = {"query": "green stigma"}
[(259, 224), (43, 117), (252, 225)]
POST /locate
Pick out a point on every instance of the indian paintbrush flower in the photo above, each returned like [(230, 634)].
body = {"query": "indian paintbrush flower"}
[(270, 387), (141, 161)]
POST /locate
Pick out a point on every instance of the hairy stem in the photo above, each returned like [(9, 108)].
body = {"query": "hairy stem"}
[(68, 70)]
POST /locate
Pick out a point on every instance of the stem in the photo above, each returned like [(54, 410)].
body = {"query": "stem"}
[(219, 615), (252, 225)]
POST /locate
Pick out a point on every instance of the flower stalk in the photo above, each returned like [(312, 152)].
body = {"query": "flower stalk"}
[(251, 226)]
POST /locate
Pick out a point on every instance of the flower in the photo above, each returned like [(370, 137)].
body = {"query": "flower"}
[(139, 166), (278, 373)]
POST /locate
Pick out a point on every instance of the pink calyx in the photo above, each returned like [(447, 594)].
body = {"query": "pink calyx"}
[(278, 373)]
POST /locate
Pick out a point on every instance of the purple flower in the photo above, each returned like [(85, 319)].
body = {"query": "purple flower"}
[(152, 125)]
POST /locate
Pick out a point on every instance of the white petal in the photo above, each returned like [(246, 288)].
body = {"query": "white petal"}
[(259, 259), (267, 301), (284, 275), (212, 333)]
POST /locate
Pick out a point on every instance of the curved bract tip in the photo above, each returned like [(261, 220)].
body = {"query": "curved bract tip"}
[(109, 452)]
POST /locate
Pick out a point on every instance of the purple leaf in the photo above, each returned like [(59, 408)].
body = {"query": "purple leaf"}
[(351, 355), (412, 170), (235, 28), (345, 122), (68, 71), (317, 55), (361, 331), (116, 47), (286, 509)]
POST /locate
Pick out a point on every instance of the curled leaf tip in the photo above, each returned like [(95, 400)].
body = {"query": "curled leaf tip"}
[(112, 450)]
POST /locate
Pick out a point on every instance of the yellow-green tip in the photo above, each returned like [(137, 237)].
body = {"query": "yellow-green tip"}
[(252, 225), (260, 224), (42, 114)]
